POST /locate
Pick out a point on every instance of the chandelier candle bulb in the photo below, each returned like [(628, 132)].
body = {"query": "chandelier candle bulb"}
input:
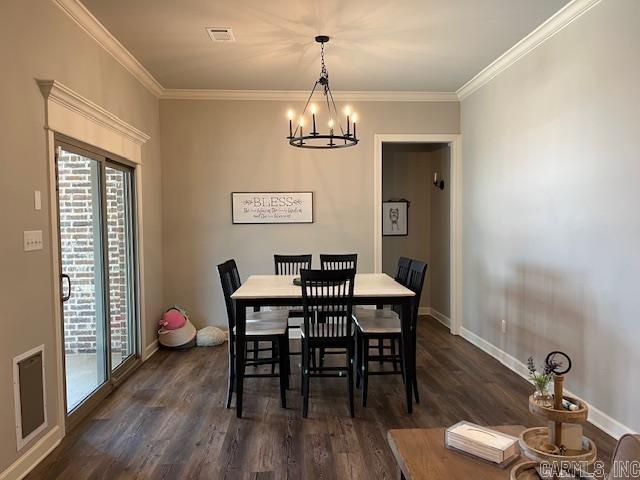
[(330, 123), (290, 116), (347, 112), (301, 124), (354, 119), (313, 116)]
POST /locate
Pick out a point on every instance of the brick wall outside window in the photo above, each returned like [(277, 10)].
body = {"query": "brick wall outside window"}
[(79, 251)]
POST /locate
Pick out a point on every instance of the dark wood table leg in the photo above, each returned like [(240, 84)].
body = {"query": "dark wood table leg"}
[(241, 324), (407, 352)]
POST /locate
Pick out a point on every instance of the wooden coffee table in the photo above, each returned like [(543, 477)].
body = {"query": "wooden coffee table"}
[(421, 455)]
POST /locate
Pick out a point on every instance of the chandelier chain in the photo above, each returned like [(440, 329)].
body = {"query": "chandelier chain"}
[(323, 70)]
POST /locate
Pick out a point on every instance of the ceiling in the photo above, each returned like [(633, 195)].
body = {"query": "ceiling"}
[(376, 45)]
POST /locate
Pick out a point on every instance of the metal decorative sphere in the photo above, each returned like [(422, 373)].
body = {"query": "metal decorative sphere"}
[(558, 363)]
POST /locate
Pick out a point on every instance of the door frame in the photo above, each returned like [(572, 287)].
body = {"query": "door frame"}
[(70, 114), (455, 215), (112, 376)]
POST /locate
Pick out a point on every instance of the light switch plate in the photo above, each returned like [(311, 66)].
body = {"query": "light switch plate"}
[(32, 240), (37, 200)]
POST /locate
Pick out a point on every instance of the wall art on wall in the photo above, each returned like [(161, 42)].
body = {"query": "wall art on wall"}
[(272, 207), (395, 218)]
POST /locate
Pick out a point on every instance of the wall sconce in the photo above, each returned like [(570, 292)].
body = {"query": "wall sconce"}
[(438, 183)]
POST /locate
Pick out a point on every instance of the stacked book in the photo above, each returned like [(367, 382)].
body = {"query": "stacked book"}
[(481, 442)]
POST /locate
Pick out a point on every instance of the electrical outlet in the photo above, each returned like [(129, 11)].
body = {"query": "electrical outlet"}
[(32, 240), (504, 326)]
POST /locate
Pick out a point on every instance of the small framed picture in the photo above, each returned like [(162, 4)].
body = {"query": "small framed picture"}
[(395, 218)]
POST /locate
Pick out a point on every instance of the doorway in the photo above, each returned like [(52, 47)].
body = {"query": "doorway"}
[(415, 220), (452, 184), (96, 225)]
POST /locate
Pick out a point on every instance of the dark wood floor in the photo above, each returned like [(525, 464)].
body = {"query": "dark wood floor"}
[(168, 420)]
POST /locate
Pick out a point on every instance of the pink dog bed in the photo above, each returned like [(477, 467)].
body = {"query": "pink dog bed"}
[(173, 319)]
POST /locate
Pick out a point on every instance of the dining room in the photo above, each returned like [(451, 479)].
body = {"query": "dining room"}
[(338, 240)]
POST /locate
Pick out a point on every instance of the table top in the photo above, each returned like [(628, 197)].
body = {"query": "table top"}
[(421, 455), (281, 286)]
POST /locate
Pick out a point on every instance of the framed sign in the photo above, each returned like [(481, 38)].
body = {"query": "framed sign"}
[(272, 207), (395, 218)]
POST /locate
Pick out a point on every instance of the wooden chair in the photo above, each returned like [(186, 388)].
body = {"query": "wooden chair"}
[(261, 326), (327, 298), (341, 261), (402, 272), (384, 325), (338, 261), (291, 265)]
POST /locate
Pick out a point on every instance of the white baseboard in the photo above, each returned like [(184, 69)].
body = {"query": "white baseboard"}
[(32, 457), (441, 317), (150, 349), (597, 417)]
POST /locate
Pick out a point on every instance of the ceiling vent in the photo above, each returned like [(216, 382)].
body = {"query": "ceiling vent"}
[(220, 34)]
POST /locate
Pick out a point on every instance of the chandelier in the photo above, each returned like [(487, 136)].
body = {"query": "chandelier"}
[(336, 137)]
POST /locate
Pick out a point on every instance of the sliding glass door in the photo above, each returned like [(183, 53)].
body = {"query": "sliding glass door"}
[(121, 265), (97, 264)]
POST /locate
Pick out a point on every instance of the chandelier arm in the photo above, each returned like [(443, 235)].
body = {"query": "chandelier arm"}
[(304, 110), (336, 110), (329, 108)]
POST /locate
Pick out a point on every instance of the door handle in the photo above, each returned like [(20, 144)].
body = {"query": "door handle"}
[(64, 297)]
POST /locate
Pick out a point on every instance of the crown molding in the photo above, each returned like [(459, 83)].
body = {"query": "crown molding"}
[(293, 95), (59, 94), (545, 31), (92, 26)]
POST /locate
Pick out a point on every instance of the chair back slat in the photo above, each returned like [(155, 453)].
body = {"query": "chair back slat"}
[(339, 261), (291, 264), (402, 270), (415, 282), (327, 298), (230, 281)]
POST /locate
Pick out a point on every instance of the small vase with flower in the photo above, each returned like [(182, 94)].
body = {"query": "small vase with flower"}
[(541, 381)]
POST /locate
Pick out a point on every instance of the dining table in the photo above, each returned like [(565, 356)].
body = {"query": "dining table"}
[(280, 291)]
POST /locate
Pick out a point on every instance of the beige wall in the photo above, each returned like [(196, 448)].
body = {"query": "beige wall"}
[(38, 41), (212, 148), (407, 172), (551, 231)]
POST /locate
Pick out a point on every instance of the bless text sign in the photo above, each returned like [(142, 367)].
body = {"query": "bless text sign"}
[(272, 207)]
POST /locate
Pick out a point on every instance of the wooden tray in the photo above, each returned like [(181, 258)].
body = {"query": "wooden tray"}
[(524, 471), (563, 416), (532, 438)]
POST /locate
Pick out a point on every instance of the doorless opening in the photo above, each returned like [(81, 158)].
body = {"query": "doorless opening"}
[(453, 186), (415, 221)]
